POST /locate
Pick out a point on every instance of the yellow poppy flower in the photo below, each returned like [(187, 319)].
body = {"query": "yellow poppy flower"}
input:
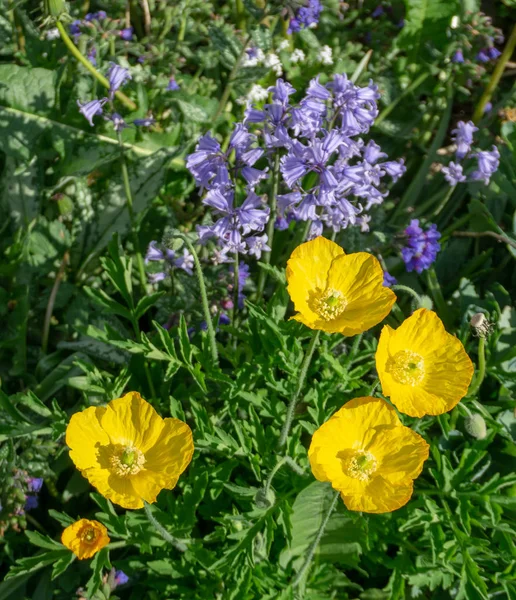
[(337, 292), (127, 451), (368, 456), (85, 538), (423, 369)]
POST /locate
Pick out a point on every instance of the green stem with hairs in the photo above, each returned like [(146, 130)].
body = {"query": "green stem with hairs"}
[(235, 289), (313, 546), (87, 65), (495, 77), (273, 194), (409, 290), (204, 297), (181, 546), (130, 210), (300, 383), (481, 372)]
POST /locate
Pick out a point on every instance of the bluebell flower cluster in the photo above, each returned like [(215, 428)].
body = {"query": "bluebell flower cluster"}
[(421, 248), (169, 260), (237, 228), (326, 166), (306, 16), (89, 19), (487, 160)]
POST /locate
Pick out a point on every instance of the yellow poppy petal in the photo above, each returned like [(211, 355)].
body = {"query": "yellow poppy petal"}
[(147, 485), (380, 496), (307, 270), (131, 420), (172, 451), (359, 278), (84, 436), (85, 538)]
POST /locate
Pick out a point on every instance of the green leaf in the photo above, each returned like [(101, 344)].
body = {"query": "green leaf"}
[(472, 586), (19, 193), (43, 541), (99, 562), (62, 564), (147, 302)]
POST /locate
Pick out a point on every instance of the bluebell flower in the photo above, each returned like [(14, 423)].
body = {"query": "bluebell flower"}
[(31, 502), (75, 28), (388, 279), (458, 57), (91, 109), (172, 86), (483, 56), (462, 135), (117, 77), (493, 53), (421, 247), (306, 16), (35, 484), (118, 122), (121, 578), (356, 106), (488, 163), (185, 262), (157, 277), (257, 244), (146, 122), (154, 253), (453, 173), (92, 56), (126, 34)]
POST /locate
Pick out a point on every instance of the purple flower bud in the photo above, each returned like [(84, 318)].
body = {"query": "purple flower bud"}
[(493, 53), (458, 57), (91, 109), (35, 484), (377, 12), (462, 135), (118, 122), (483, 56), (157, 277), (121, 578), (117, 77), (147, 122), (92, 54), (31, 502), (388, 279), (172, 86), (453, 173), (488, 107), (75, 28)]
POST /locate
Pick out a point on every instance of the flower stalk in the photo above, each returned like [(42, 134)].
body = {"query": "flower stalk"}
[(178, 545), (127, 102), (409, 290), (315, 543), (300, 383), (204, 297), (481, 373)]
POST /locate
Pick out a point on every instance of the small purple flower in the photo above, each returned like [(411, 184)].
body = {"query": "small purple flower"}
[(157, 277), (185, 262), (92, 56), (488, 107), (257, 245), (493, 53), (453, 173), (377, 12), (172, 86), (31, 502), (35, 484), (488, 163), (147, 122), (458, 57), (91, 109), (388, 279), (462, 135), (422, 246), (126, 34), (121, 578), (117, 76), (154, 253), (118, 122), (483, 56), (75, 28), (306, 16)]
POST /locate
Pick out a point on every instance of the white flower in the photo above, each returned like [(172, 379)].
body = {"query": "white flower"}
[(253, 61), (257, 93), (326, 55), (364, 223), (273, 62), (297, 56), (283, 45), (52, 34)]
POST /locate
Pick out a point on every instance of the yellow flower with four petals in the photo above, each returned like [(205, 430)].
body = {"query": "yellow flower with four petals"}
[(127, 451), (366, 454)]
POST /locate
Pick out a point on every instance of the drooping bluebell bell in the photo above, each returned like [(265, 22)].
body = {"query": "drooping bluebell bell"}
[(91, 109), (168, 257), (454, 173), (172, 86), (488, 163), (462, 135), (117, 77), (483, 56), (421, 247), (493, 53)]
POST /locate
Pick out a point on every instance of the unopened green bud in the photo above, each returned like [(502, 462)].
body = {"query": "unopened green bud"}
[(476, 426), (65, 204), (265, 498)]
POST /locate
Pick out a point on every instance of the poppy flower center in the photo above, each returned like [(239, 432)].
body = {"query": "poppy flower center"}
[(330, 304), (127, 460), (361, 465), (406, 367), (89, 535)]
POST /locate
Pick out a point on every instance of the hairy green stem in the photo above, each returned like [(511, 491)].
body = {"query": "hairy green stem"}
[(313, 546), (273, 194), (235, 289), (162, 531), (204, 297), (87, 65), (300, 383), (495, 77), (481, 373), (130, 210), (409, 290)]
